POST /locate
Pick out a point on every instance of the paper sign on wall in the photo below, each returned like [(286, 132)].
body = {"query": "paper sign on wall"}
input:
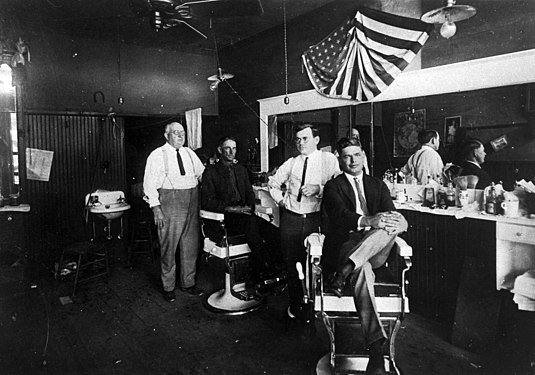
[(38, 164)]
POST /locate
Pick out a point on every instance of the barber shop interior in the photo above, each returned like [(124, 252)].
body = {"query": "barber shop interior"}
[(284, 187)]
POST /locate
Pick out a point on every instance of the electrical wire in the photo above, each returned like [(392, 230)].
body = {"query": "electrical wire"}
[(250, 108), (45, 349), (286, 98)]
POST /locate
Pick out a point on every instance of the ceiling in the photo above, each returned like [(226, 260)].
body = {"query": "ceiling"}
[(129, 21)]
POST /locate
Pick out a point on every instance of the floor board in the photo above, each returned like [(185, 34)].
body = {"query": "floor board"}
[(122, 325)]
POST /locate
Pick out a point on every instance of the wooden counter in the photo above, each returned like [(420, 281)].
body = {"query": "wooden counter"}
[(515, 239), (461, 260)]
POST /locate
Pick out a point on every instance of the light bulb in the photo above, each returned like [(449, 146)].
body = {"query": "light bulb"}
[(213, 85), (448, 29)]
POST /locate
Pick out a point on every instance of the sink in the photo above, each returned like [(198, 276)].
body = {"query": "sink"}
[(107, 204), (109, 211)]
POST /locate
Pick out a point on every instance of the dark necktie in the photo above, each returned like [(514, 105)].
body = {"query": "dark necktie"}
[(180, 163), (299, 196), (362, 200)]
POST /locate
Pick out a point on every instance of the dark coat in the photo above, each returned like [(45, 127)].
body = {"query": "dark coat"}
[(216, 190), (471, 169), (339, 205)]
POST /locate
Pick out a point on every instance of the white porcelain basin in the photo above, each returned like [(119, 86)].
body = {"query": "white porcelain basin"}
[(110, 211), (107, 204)]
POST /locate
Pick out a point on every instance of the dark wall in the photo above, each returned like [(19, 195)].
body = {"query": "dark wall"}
[(485, 114), (259, 64), (82, 75)]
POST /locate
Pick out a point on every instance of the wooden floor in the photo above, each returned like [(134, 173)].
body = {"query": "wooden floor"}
[(122, 325)]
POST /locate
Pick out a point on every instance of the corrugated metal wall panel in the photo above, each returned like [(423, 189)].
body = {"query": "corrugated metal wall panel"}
[(82, 146)]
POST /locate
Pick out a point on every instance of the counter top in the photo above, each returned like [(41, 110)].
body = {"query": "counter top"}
[(460, 213), (20, 208)]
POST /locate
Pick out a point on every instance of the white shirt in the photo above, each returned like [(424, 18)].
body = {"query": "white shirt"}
[(321, 167), (424, 162), (155, 175)]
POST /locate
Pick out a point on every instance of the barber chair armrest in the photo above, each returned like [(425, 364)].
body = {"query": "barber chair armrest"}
[(403, 248), (263, 210), (314, 244), (210, 215)]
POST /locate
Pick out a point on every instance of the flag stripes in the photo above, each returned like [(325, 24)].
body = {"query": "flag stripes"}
[(363, 56)]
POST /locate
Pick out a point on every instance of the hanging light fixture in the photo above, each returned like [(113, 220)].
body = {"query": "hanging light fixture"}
[(448, 15)]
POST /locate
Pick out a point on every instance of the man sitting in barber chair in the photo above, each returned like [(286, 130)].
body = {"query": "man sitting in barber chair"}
[(226, 189), (361, 231)]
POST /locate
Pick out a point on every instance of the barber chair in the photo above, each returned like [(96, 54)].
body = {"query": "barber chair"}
[(391, 299), (236, 298)]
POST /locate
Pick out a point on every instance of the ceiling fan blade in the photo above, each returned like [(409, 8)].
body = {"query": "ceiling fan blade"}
[(174, 21), (225, 76), (188, 3), (215, 77), (227, 8)]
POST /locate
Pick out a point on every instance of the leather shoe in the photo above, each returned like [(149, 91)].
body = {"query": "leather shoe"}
[(376, 363), (336, 283), (193, 290), (169, 296)]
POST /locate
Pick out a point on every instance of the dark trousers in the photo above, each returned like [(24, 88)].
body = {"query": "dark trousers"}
[(294, 229)]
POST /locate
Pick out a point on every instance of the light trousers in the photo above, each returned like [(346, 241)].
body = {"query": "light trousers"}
[(180, 232), (367, 251)]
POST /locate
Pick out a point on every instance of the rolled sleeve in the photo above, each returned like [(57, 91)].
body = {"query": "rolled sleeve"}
[(151, 180)]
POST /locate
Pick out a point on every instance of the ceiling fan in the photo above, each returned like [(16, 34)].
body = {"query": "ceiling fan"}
[(166, 14), (218, 78)]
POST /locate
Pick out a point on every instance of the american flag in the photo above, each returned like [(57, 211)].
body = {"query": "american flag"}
[(364, 55)]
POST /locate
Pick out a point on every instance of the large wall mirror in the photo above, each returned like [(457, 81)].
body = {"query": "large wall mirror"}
[(490, 99)]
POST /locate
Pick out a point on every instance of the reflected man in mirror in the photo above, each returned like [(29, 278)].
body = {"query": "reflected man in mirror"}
[(473, 154), (426, 162)]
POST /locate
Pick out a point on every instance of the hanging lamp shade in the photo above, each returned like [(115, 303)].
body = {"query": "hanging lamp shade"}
[(449, 13)]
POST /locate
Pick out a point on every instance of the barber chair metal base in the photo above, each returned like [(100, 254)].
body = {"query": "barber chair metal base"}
[(224, 302), (234, 299), (346, 365), (391, 301)]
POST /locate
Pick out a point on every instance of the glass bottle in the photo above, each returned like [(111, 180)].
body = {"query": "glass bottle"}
[(429, 194), (491, 203), (450, 195)]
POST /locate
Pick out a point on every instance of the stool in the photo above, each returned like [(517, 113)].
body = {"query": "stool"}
[(91, 261), (141, 239)]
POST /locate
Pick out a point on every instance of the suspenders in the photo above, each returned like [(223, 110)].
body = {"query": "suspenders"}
[(166, 165)]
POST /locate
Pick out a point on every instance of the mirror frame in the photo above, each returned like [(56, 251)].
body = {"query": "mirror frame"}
[(495, 71)]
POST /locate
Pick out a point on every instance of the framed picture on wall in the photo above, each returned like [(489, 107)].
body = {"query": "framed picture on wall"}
[(407, 125), (451, 124)]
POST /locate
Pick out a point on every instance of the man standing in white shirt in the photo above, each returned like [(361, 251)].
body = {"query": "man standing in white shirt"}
[(172, 175), (304, 177), (426, 162)]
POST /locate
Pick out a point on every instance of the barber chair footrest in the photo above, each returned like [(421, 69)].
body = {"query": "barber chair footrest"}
[(348, 365)]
